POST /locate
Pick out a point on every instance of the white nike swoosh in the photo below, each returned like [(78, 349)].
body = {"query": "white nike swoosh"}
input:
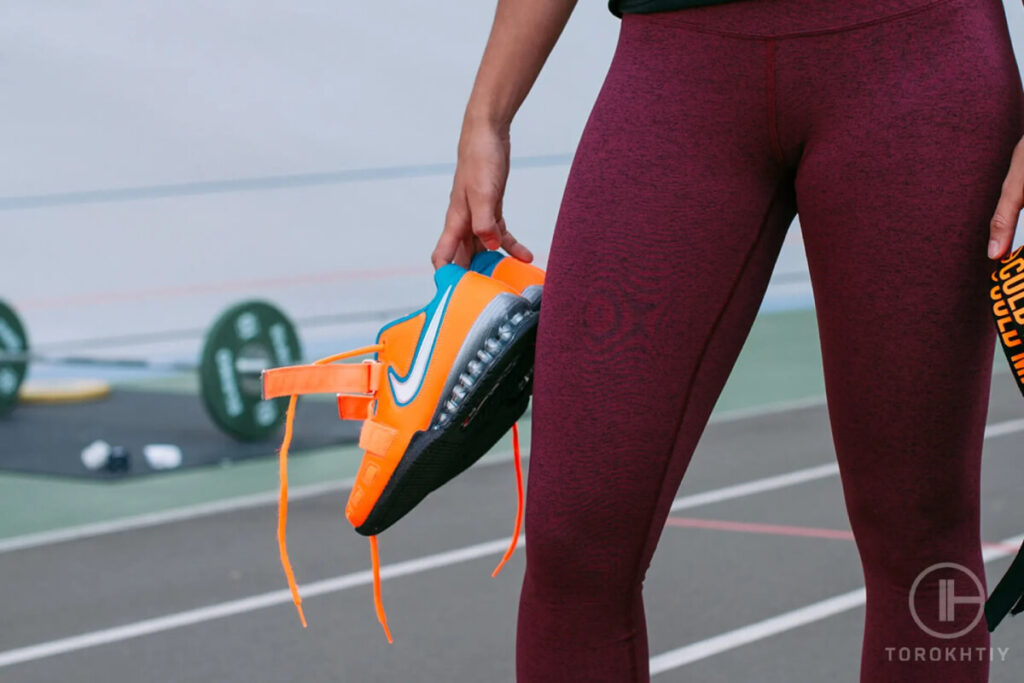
[(404, 389)]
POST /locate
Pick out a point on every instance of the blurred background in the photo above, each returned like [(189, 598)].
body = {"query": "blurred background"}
[(164, 160)]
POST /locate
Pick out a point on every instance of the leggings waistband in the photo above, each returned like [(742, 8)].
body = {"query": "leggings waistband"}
[(791, 18)]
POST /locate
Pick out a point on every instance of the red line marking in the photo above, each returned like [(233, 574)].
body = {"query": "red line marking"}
[(1001, 546), (784, 530), (771, 529), (135, 295)]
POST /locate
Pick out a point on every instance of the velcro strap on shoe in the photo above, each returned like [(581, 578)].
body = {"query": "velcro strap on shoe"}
[(376, 437), (334, 378), (355, 407)]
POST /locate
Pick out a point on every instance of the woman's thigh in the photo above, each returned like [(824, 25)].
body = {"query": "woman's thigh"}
[(672, 218), (903, 155)]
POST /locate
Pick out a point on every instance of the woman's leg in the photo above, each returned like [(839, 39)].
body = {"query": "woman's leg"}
[(671, 222), (904, 135)]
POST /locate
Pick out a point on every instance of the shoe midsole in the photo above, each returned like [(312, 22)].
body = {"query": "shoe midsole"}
[(501, 311)]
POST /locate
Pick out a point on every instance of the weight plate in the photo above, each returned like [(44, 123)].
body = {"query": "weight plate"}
[(246, 339), (12, 373)]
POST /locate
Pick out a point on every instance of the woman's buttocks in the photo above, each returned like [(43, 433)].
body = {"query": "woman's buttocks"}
[(777, 18)]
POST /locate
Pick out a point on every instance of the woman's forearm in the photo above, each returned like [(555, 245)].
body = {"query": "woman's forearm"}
[(523, 34)]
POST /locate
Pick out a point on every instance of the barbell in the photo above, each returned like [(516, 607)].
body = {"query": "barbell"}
[(243, 341)]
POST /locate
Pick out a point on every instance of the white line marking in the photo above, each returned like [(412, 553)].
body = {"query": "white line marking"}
[(235, 504), (75, 533), (751, 487), (166, 517), (1002, 428), (203, 614), (673, 659), (801, 476), (250, 604), (172, 621)]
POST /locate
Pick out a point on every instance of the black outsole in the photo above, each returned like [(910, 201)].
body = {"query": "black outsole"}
[(435, 456)]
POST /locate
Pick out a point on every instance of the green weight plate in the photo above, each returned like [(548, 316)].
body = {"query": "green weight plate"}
[(12, 373), (246, 339)]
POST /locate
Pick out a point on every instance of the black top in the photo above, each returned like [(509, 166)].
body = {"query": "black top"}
[(620, 7)]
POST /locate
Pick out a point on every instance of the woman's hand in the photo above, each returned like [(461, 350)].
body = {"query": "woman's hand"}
[(474, 221), (1004, 222)]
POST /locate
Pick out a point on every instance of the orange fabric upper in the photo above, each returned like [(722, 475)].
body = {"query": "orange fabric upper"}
[(471, 294), (518, 274)]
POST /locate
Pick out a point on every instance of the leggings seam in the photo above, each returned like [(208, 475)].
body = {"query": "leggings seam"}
[(699, 364), (694, 26)]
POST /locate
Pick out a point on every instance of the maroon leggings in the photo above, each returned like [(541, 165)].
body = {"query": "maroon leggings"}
[(889, 125)]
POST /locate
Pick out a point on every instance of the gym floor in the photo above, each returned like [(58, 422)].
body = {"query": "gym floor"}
[(176, 577), (163, 167)]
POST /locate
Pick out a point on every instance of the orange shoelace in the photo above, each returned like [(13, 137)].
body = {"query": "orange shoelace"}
[(282, 507), (519, 507), (378, 604), (282, 516)]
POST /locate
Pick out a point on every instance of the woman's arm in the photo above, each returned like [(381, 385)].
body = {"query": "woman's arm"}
[(523, 34)]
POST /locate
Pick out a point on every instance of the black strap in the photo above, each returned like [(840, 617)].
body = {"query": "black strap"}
[(1008, 595), (1019, 607), (1008, 313)]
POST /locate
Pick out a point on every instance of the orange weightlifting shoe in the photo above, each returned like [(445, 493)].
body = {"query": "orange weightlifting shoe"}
[(526, 279), (445, 384)]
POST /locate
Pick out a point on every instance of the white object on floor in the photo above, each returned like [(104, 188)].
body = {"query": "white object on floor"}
[(162, 456), (94, 456)]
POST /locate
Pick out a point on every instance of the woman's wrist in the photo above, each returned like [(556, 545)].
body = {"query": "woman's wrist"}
[(487, 118)]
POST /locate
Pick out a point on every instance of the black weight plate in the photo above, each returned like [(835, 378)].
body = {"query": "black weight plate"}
[(246, 338), (12, 372)]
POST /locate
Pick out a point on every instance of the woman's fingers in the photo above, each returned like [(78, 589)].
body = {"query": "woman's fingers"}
[(444, 252), (465, 252), (455, 226), (1004, 221), (483, 206), (512, 246), (458, 244)]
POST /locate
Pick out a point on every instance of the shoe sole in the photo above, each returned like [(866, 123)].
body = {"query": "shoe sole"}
[(533, 294), (488, 389)]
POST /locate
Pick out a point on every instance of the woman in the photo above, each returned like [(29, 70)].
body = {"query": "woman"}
[(891, 125)]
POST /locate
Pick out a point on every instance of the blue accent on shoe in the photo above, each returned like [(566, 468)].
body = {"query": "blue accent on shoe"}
[(447, 275), (485, 261), (444, 277)]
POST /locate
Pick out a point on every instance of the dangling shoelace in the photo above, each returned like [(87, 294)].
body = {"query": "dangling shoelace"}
[(519, 491), (282, 506), (282, 515)]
